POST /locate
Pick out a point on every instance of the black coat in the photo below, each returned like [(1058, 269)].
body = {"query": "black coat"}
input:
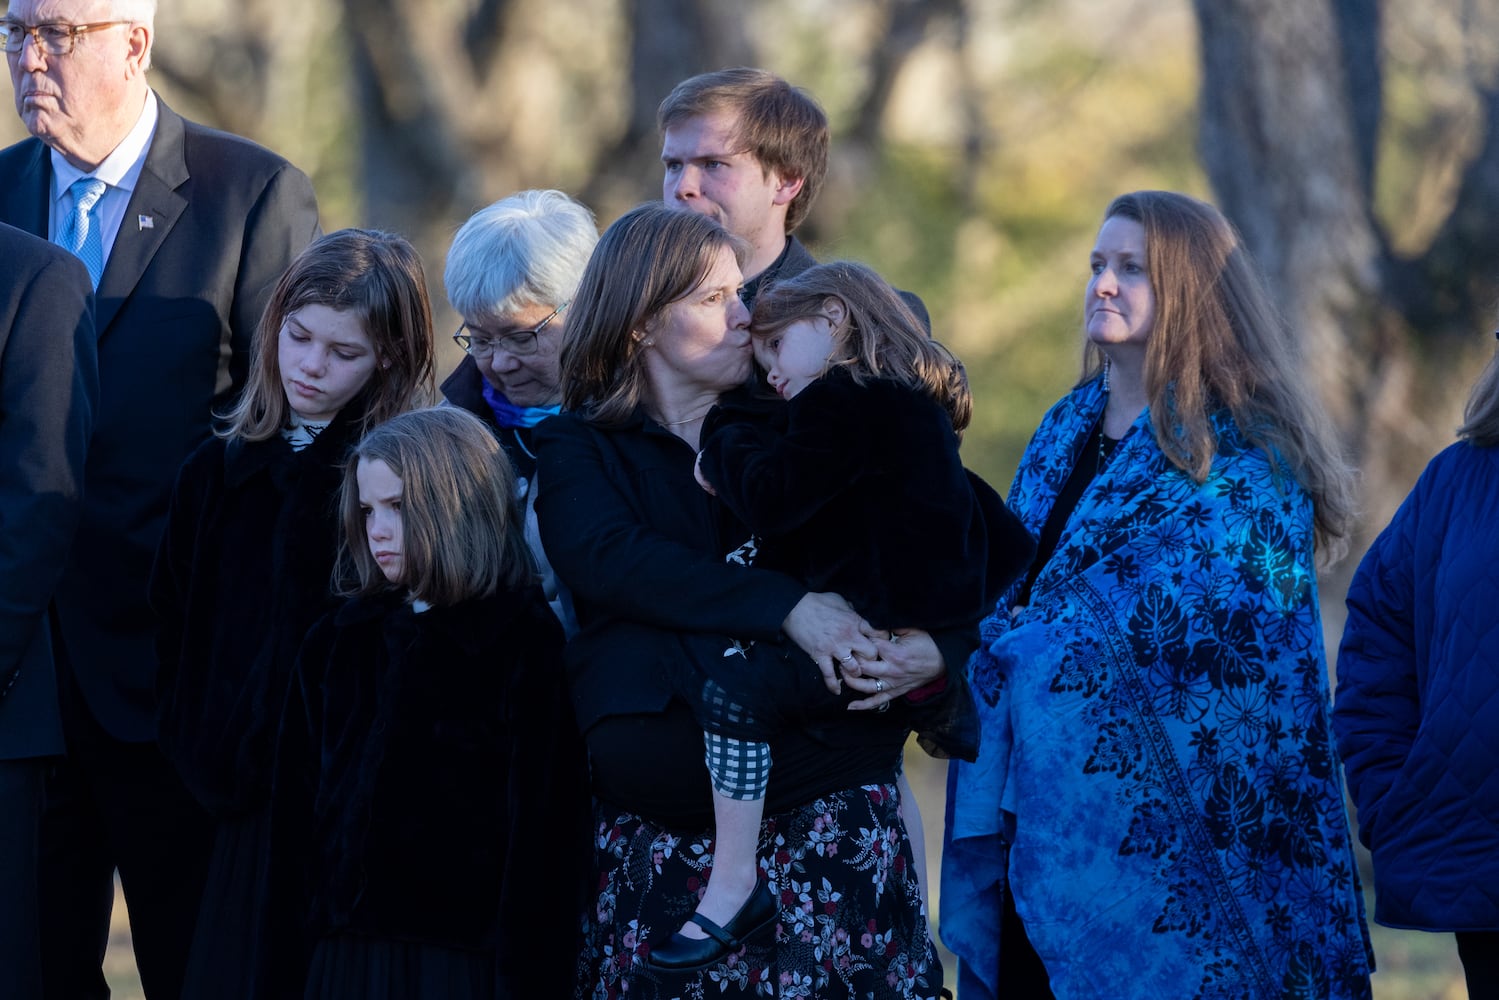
[(431, 784), (464, 388), (48, 392), (244, 570), (642, 546), (859, 490), (212, 223)]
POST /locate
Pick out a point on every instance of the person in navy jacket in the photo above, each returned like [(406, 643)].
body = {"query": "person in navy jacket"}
[(1418, 691), (48, 392)]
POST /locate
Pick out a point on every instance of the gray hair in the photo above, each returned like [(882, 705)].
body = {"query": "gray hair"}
[(525, 250), (139, 12)]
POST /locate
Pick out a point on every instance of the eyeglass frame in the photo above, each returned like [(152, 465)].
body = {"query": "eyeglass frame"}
[(11, 27), (528, 336)]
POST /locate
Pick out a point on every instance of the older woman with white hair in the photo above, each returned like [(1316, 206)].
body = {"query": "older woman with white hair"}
[(511, 271)]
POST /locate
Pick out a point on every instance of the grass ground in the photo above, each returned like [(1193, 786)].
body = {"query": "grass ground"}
[(1412, 965)]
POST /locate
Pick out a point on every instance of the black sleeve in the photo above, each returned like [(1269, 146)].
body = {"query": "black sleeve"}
[(282, 221), (48, 389), (602, 548), (776, 478)]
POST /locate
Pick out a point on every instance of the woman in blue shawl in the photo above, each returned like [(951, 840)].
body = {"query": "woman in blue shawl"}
[(1157, 807)]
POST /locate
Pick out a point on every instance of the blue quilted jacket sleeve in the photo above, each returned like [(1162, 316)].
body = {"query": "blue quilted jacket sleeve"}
[(1377, 711), (1418, 692)]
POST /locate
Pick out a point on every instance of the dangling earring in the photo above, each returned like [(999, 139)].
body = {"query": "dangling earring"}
[(1107, 364)]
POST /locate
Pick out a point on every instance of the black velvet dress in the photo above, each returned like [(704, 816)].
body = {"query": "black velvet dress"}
[(242, 572), (430, 818)]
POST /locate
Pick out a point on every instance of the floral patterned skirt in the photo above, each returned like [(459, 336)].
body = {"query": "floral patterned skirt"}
[(852, 920)]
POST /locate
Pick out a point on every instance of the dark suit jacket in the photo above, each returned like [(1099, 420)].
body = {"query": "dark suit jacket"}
[(176, 308), (48, 389)]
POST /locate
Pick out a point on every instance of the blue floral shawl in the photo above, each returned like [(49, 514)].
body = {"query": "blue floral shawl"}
[(1156, 760)]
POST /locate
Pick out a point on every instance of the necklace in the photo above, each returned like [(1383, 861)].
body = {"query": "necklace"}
[(1106, 447), (686, 420)]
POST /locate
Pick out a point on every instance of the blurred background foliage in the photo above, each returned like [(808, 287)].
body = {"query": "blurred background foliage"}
[(976, 143)]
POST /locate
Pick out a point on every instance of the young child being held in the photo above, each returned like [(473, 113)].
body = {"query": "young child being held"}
[(855, 487), (429, 768), (244, 564)]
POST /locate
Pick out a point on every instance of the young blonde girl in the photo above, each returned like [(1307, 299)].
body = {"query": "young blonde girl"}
[(431, 796), (854, 487), (244, 565)]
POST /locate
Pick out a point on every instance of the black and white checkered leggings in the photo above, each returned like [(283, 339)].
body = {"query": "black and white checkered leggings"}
[(739, 768)]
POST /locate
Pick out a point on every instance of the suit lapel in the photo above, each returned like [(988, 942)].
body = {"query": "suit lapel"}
[(24, 203), (155, 198)]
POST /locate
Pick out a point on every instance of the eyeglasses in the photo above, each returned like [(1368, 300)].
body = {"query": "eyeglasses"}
[(520, 343), (54, 37)]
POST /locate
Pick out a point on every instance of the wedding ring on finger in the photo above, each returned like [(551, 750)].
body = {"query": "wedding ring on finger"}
[(879, 685), (846, 658)]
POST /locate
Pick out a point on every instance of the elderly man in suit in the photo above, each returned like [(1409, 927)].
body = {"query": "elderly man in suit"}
[(184, 230), (48, 388)]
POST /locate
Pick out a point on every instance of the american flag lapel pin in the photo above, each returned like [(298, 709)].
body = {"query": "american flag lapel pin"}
[(145, 222)]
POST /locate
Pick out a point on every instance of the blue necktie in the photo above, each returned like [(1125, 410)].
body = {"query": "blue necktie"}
[(82, 231)]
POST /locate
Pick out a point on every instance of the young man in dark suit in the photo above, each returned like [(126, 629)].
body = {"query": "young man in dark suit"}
[(184, 238), (48, 389)]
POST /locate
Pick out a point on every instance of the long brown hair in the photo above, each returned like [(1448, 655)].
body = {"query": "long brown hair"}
[(461, 536), (378, 277), (879, 338), (1219, 343), (649, 258)]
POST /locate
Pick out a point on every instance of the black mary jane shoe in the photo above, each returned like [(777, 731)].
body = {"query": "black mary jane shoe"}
[(684, 954)]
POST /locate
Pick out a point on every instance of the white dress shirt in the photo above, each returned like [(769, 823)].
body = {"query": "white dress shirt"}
[(120, 170)]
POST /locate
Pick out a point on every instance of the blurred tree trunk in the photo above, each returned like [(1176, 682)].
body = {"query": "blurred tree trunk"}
[(1281, 150), (244, 72), (416, 172), (906, 24), (1291, 109), (903, 26), (432, 121), (670, 40)]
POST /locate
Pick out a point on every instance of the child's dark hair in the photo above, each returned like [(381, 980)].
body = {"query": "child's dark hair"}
[(879, 338), (375, 275), (461, 534)]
